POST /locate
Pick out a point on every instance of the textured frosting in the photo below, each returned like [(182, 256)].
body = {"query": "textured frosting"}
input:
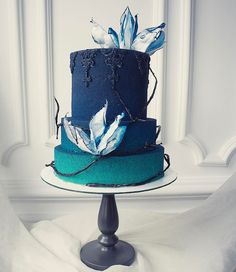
[(121, 77), (109, 74), (111, 170), (137, 135)]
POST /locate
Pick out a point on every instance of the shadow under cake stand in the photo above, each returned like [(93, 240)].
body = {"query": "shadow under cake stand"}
[(107, 250)]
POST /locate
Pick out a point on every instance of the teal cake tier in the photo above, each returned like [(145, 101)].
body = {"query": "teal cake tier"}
[(138, 134), (111, 170)]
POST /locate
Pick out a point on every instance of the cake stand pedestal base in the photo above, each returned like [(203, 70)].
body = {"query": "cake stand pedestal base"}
[(97, 257), (107, 250)]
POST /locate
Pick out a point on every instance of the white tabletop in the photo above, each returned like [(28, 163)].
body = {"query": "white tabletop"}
[(50, 178)]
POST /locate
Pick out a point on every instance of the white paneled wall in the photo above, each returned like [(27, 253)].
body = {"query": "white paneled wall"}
[(195, 103)]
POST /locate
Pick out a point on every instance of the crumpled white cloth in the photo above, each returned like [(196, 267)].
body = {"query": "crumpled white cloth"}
[(200, 240)]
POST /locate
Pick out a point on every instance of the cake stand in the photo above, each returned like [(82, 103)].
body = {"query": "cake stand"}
[(107, 250)]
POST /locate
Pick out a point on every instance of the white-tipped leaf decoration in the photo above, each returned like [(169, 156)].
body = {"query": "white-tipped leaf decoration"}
[(103, 138), (114, 141), (97, 125), (127, 28), (77, 136), (110, 133), (101, 37), (149, 40), (143, 40), (157, 43)]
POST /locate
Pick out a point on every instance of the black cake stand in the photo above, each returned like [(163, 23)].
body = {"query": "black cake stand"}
[(107, 250)]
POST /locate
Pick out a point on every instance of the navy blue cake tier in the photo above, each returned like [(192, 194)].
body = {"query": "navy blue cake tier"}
[(138, 134), (119, 76)]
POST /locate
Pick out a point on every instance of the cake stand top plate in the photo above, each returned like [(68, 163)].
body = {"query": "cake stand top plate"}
[(48, 176)]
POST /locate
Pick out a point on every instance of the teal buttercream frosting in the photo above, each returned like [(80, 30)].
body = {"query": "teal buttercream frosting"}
[(117, 170)]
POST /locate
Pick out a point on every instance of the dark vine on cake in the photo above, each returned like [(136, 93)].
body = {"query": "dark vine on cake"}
[(109, 140)]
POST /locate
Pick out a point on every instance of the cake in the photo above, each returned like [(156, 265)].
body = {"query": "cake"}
[(108, 140)]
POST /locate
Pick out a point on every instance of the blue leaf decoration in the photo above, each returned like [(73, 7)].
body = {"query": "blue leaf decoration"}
[(152, 29), (161, 26), (127, 27), (122, 19), (78, 137), (109, 133), (157, 43), (149, 40), (114, 141), (102, 140), (135, 26), (143, 40), (114, 36), (82, 139)]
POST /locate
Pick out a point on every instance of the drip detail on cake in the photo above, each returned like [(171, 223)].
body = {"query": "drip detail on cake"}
[(114, 60), (73, 61), (87, 62), (116, 78)]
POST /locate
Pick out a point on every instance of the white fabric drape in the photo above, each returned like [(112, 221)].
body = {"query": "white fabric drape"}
[(200, 240)]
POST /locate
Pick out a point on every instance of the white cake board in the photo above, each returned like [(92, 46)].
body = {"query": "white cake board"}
[(50, 178)]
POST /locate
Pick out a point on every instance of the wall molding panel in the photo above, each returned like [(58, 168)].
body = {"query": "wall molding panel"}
[(202, 158), (18, 9), (184, 136), (50, 72), (160, 14), (227, 151), (185, 82)]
